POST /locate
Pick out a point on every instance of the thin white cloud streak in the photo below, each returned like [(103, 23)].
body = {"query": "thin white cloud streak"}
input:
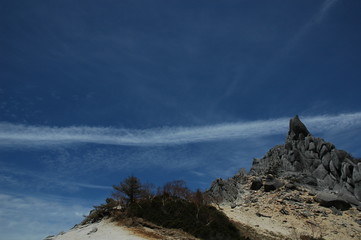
[(92, 186), (13, 135), (273, 64), (316, 19), (327, 5)]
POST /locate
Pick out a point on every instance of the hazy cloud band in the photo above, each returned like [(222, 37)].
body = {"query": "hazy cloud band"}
[(13, 135)]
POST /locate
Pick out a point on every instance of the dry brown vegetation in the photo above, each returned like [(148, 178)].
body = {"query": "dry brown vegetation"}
[(173, 206)]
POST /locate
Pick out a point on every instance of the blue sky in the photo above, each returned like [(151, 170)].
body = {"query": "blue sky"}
[(93, 91)]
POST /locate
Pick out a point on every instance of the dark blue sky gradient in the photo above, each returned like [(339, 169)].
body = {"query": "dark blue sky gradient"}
[(165, 60), (165, 63)]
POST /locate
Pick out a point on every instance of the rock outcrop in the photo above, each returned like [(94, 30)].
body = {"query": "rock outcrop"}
[(303, 160), (272, 184), (331, 200), (291, 212), (228, 190), (312, 161), (303, 189), (297, 130), (257, 184)]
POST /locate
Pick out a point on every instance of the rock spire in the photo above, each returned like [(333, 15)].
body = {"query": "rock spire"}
[(297, 130), (314, 162)]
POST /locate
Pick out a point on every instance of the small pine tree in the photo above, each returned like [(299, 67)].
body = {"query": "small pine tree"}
[(128, 191)]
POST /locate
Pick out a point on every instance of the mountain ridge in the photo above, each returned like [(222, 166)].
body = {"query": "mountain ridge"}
[(303, 160), (313, 161), (303, 189)]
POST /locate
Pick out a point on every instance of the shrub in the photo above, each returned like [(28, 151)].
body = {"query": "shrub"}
[(101, 211), (204, 222), (174, 206)]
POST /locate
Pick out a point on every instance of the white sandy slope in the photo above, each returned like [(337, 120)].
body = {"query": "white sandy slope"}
[(104, 230), (303, 218)]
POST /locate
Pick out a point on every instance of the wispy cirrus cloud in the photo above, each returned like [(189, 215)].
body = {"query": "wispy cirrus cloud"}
[(273, 64), (14, 135), (326, 6), (316, 19)]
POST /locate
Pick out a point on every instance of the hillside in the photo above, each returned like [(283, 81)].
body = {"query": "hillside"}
[(304, 189), (110, 230)]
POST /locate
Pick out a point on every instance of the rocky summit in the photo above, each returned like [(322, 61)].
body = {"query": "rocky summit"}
[(307, 178), (311, 161)]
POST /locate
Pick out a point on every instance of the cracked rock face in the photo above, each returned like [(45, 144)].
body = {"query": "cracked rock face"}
[(227, 190), (314, 162)]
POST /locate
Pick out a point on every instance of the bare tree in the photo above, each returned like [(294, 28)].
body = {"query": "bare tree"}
[(147, 191), (177, 188), (198, 199)]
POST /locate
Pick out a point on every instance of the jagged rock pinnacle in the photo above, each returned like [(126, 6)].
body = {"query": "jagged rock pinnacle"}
[(305, 163), (313, 162), (297, 130)]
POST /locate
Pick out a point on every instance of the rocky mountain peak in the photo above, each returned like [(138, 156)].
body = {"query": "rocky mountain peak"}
[(297, 130), (307, 161), (304, 181)]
